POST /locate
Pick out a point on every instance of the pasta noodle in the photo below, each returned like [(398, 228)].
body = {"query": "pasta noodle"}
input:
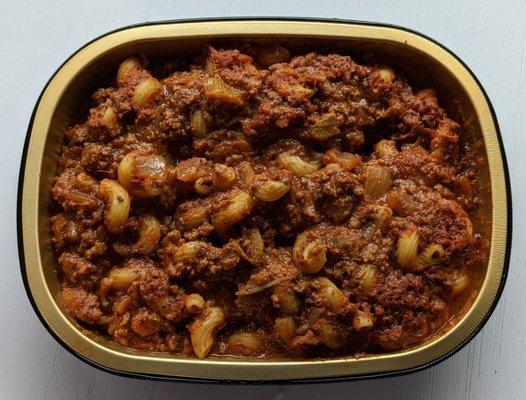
[(328, 334), (346, 160), (238, 206), (224, 176), (309, 252), (333, 298), (367, 279), (118, 204), (387, 74), (296, 165), (271, 190), (406, 254), (432, 254), (142, 174), (149, 236), (377, 180), (110, 119), (122, 278), (246, 344), (194, 216), (189, 251), (362, 321), (272, 55), (460, 283), (385, 149), (145, 91), (126, 69), (285, 328), (246, 174), (284, 298), (202, 330), (198, 123), (194, 303)]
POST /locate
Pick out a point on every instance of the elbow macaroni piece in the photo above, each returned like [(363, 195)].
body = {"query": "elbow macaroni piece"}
[(297, 165), (198, 123), (286, 300), (407, 249), (149, 236), (333, 297), (122, 278), (246, 174), (110, 119), (362, 321), (271, 190), (309, 252), (245, 344), (238, 206), (126, 69), (204, 186), (118, 205), (272, 55), (194, 303), (194, 216), (346, 160), (433, 254), (189, 251), (224, 176), (385, 149), (142, 174), (460, 284), (387, 74), (328, 334), (285, 328), (192, 169), (203, 329), (145, 91), (377, 180), (382, 216), (367, 279), (216, 89)]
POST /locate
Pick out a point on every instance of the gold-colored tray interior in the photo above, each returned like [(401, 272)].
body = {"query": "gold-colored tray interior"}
[(421, 60)]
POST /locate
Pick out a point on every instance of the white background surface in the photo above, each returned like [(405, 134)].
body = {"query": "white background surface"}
[(35, 37)]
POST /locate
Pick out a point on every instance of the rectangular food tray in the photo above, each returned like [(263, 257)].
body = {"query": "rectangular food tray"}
[(418, 56)]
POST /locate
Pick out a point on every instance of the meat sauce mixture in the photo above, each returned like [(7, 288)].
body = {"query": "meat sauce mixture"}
[(261, 204)]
